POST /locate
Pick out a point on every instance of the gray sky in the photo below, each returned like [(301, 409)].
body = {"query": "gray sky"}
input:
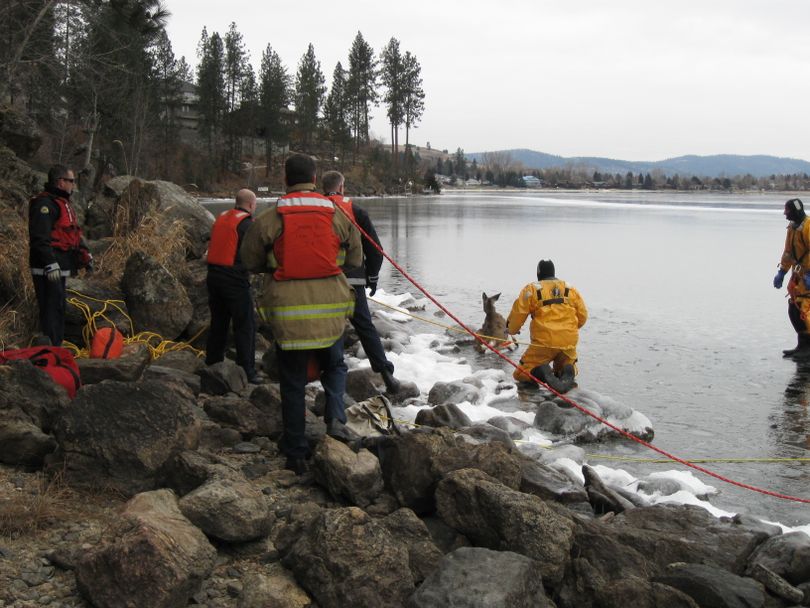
[(628, 79)]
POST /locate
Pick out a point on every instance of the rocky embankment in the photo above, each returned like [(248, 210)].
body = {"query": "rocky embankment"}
[(167, 489)]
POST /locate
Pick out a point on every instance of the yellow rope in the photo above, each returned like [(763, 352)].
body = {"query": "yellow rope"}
[(155, 343)]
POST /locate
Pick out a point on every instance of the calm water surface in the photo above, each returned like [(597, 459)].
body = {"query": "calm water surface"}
[(684, 326)]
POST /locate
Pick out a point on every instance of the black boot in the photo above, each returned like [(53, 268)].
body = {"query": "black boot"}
[(802, 349), (392, 385), (547, 377), (567, 378)]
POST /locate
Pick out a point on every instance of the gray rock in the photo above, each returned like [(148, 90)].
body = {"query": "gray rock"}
[(483, 432), (453, 392), (776, 584), (548, 484), (236, 413), (182, 360), (120, 434), (497, 517), (362, 384), (560, 420), (156, 300), (415, 462), (354, 476), (407, 529), (228, 508), (222, 378), (97, 298), (787, 555), (665, 534), (445, 414), (159, 372), (514, 426), (602, 498), (345, 558), (127, 368), (267, 398), (153, 556), (712, 586), (480, 578), (274, 589)]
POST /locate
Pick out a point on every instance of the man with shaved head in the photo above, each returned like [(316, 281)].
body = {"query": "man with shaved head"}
[(229, 287)]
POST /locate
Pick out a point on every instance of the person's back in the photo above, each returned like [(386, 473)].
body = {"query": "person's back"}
[(558, 312)]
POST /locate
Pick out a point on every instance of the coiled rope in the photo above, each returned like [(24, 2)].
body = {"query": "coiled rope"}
[(582, 409), (154, 342)]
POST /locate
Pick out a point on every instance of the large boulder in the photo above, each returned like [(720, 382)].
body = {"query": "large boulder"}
[(354, 476), (474, 577), (157, 302), (169, 200), (423, 554), (444, 414), (497, 517), (228, 507), (194, 280), (153, 557), (549, 484), (128, 367), (29, 403), (788, 555), (275, 588), (120, 434), (414, 463), (453, 392), (346, 558), (712, 586)]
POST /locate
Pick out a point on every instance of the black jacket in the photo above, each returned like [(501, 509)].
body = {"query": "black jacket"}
[(43, 212)]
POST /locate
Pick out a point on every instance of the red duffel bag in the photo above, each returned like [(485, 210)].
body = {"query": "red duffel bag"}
[(55, 361)]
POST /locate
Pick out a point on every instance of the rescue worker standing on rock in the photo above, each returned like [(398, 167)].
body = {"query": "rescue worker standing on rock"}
[(300, 243), (56, 249), (366, 275), (558, 312), (796, 257), (229, 287)]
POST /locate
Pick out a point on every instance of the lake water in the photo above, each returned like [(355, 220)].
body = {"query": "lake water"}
[(685, 325)]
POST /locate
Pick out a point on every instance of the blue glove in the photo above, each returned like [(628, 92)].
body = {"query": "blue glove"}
[(807, 280), (779, 278)]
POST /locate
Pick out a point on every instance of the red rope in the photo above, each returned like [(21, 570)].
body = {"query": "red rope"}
[(563, 397)]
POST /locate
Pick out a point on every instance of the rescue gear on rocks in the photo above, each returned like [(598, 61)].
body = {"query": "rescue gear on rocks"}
[(224, 244), (371, 418), (107, 343), (557, 312), (55, 361)]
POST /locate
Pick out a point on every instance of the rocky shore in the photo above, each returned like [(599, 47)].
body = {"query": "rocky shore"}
[(160, 484)]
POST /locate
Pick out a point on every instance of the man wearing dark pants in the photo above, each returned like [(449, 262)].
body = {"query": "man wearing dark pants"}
[(298, 243), (229, 287), (366, 275), (56, 249)]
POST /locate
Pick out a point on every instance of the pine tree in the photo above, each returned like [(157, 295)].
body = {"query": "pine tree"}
[(336, 111), (309, 92), (211, 87), (414, 95), (361, 89), (274, 97), (392, 76)]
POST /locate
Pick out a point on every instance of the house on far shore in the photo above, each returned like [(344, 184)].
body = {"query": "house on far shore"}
[(532, 182)]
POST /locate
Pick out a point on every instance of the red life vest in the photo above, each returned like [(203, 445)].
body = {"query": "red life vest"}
[(65, 234), (308, 246), (55, 361), (224, 237), (345, 204)]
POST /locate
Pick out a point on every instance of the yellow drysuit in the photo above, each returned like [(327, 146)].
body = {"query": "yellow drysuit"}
[(558, 312)]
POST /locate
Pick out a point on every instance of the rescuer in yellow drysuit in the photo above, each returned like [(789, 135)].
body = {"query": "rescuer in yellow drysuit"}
[(796, 257), (557, 312)]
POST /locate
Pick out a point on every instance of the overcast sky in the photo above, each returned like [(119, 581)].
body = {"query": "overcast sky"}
[(627, 79)]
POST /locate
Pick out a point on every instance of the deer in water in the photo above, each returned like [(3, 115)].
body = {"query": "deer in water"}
[(493, 331)]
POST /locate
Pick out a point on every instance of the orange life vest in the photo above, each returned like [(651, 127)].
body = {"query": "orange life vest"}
[(345, 204), (65, 234), (308, 247), (224, 243)]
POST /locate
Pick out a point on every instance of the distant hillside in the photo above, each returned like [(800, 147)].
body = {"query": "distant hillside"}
[(710, 166)]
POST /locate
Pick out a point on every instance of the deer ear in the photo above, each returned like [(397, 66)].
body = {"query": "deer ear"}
[(484, 296), (496, 296)]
